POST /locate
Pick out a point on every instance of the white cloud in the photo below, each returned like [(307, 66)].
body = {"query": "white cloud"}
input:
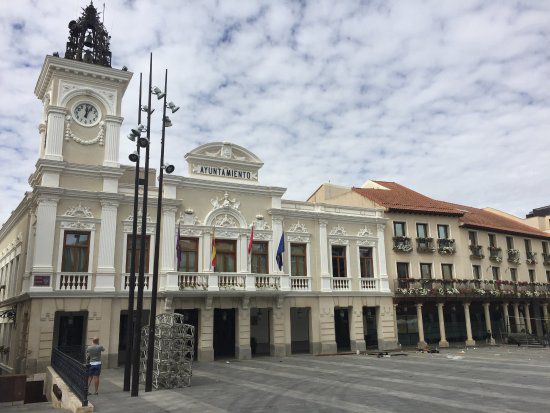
[(448, 98)]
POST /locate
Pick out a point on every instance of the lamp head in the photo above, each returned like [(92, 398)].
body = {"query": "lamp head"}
[(156, 91), (172, 106), (143, 142), (169, 168), (145, 108), (167, 122), (131, 137), (138, 130), (134, 157)]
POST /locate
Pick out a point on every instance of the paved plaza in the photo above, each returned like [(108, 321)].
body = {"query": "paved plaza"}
[(502, 379)]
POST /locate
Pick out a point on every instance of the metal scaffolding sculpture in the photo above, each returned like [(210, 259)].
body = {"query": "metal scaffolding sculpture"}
[(174, 351)]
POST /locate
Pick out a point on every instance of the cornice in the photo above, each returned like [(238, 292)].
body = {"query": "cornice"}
[(47, 165), (16, 215), (45, 191), (182, 182), (333, 216), (52, 64)]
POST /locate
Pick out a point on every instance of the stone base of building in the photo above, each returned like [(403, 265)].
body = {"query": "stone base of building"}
[(443, 343)]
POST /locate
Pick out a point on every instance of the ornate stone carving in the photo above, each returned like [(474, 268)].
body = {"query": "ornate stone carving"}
[(338, 241), (260, 223), (190, 232), (338, 230), (298, 227), (78, 225), (69, 134), (226, 221), (225, 202), (366, 243), (140, 214), (79, 211), (188, 217), (297, 238), (364, 232)]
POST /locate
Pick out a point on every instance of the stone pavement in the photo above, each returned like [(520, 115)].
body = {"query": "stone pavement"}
[(500, 379)]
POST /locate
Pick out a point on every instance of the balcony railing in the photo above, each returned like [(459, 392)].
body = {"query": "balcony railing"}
[(125, 282), (192, 281), (231, 282), (531, 258), (402, 244), (368, 284), (446, 246), (425, 245), (74, 281), (268, 282), (414, 287), (513, 256), (495, 253), (73, 371), (476, 251), (546, 258), (300, 283), (341, 284)]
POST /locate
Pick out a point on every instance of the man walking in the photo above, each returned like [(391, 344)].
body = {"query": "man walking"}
[(93, 356)]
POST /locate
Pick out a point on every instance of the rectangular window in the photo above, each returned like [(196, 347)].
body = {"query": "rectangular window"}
[(496, 273), (76, 249), (528, 245), (492, 240), (472, 236), (532, 277), (298, 260), (259, 257), (365, 262), (399, 229), (425, 271), (513, 274), (510, 243), (226, 256), (338, 261), (476, 270), (447, 271), (138, 249), (422, 230), (545, 247), (189, 255), (402, 270), (442, 231)]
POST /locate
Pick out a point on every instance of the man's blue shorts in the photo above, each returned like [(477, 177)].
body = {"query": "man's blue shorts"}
[(95, 370)]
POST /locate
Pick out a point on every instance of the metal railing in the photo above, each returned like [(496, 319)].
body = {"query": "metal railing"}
[(73, 372)]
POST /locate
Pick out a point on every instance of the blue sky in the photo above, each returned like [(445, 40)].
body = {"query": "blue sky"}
[(449, 98)]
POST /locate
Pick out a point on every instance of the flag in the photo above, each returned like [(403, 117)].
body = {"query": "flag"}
[(280, 251), (213, 250), (251, 240), (178, 249)]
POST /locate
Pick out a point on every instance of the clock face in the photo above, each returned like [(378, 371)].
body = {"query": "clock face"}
[(86, 114)]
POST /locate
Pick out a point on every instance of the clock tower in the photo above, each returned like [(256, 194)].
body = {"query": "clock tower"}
[(82, 95)]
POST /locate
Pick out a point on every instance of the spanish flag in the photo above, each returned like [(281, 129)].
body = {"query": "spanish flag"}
[(213, 250)]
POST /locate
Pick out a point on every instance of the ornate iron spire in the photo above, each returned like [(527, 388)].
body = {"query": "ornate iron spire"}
[(88, 39)]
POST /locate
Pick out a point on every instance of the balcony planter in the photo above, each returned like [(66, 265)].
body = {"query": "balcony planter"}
[(425, 245), (476, 251), (495, 254), (513, 256), (446, 246), (531, 258), (402, 244), (546, 259)]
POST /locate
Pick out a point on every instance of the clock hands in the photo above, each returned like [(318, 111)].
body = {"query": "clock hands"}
[(87, 110)]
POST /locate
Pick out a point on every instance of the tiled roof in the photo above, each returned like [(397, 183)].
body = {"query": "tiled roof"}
[(399, 198)]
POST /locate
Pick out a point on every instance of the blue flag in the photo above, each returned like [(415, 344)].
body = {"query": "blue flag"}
[(280, 251)]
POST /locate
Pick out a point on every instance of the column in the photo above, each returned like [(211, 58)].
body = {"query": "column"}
[(324, 257), (506, 317), (105, 275), (357, 333), (277, 223), (206, 333), (278, 347), (54, 133), (42, 268), (242, 350), (242, 249), (441, 317), (420, 322), (207, 252), (527, 318), (168, 248), (545, 313), (381, 258), (395, 324), (516, 317), (112, 137), (487, 313), (469, 339)]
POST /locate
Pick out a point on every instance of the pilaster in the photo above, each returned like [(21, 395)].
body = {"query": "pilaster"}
[(381, 258), (357, 334), (168, 240), (206, 333), (277, 225), (243, 350), (323, 248), (105, 274), (207, 252), (42, 268), (278, 347), (54, 133), (112, 137)]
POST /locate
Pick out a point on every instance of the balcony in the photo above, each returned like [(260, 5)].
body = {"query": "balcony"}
[(413, 287), (513, 256), (74, 281), (402, 244), (369, 284), (300, 283), (531, 258), (446, 246), (125, 282), (495, 254), (212, 281), (425, 245), (476, 252), (341, 284), (546, 258)]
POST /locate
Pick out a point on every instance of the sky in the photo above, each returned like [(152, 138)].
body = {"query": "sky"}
[(449, 98)]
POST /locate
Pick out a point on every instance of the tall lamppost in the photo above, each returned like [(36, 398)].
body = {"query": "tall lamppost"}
[(169, 169), (134, 157)]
